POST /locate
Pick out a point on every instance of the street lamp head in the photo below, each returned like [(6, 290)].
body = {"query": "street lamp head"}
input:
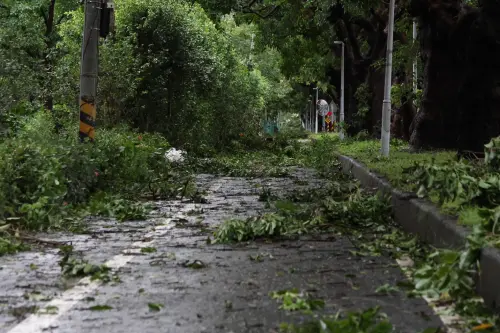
[(338, 42)]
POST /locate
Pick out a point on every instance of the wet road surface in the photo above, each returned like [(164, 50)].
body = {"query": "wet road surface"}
[(230, 293)]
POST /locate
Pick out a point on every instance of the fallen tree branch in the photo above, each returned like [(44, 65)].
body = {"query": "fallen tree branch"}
[(41, 241)]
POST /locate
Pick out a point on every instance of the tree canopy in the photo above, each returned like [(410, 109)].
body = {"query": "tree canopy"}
[(202, 73)]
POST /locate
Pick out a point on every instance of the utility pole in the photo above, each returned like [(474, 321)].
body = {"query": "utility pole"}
[(89, 69), (386, 106), (342, 79), (316, 111)]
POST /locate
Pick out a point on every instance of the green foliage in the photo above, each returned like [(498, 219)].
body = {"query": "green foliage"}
[(463, 183), (148, 250), (472, 187), (267, 225), (28, 54), (80, 268), (450, 273), (344, 208), (320, 155), (100, 308), (115, 206), (155, 306), (248, 164), (368, 321), (45, 177), (491, 155), (362, 96), (293, 300), (394, 169), (386, 289), (447, 276), (169, 69), (72, 267), (9, 245)]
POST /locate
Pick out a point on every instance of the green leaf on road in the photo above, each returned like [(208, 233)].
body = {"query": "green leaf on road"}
[(148, 250), (386, 289), (100, 308), (195, 264), (155, 306)]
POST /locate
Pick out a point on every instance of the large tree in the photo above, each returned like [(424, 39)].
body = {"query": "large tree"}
[(460, 50)]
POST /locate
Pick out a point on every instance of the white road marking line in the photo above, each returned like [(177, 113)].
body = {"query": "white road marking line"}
[(38, 323), (451, 322)]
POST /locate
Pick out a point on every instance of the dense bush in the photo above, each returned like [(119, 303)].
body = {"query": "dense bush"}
[(44, 176), (168, 69)]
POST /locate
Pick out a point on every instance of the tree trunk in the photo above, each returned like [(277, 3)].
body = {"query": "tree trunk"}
[(479, 96), (47, 61), (461, 57)]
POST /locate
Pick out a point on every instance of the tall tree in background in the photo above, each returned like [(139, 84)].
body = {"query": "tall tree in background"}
[(28, 37), (305, 33)]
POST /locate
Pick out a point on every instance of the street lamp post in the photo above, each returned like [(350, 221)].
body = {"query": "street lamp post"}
[(309, 115), (306, 111), (316, 111), (386, 106), (342, 78), (311, 104)]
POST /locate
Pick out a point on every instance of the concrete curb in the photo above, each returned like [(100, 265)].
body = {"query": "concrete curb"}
[(423, 219)]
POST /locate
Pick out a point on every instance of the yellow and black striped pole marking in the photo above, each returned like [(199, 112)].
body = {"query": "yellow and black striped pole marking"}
[(87, 120)]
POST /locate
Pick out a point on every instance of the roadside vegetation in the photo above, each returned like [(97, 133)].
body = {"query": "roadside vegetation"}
[(205, 77), (49, 180), (446, 277)]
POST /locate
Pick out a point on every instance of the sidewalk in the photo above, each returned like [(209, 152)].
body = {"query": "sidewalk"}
[(199, 287)]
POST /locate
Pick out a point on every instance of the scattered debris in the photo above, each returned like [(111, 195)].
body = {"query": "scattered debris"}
[(100, 308), (293, 300), (148, 250), (76, 268), (155, 306), (195, 264), (387, 289), (175, 156)]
